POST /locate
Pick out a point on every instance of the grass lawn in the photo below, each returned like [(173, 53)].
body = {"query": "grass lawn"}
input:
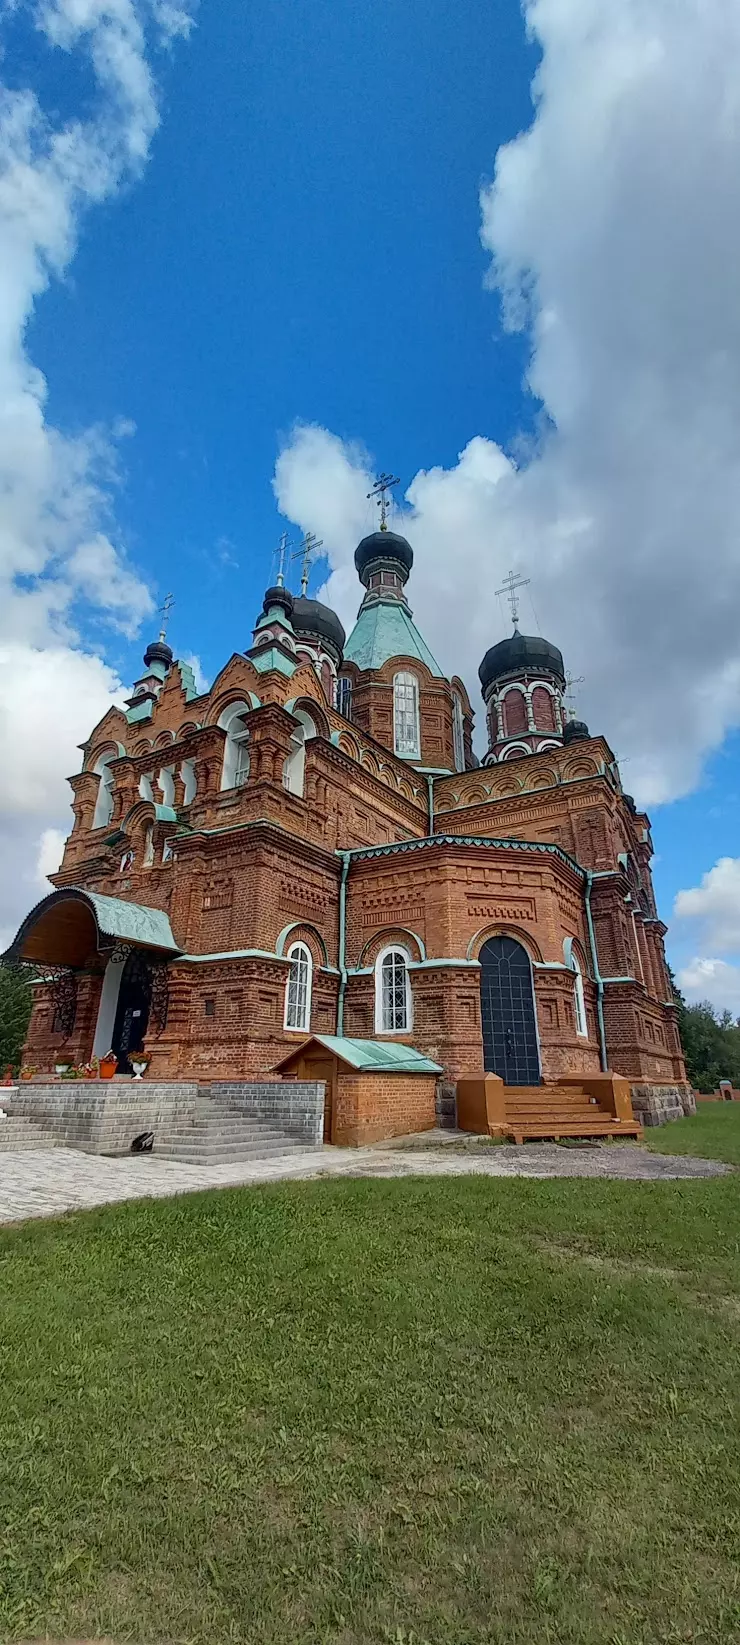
[(713, 1132), (448, 1410)]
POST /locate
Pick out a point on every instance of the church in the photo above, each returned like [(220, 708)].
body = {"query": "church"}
[(310, 854)]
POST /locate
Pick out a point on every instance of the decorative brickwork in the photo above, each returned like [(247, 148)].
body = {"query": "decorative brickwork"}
[(260, 819)]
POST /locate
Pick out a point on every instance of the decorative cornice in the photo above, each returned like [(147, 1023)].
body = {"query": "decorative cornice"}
[(362, 853)]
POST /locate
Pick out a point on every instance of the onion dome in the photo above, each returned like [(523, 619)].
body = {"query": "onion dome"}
[(385, 546), (158, 652), (313, 620), (521, 654), (280, 597), (574, 730)]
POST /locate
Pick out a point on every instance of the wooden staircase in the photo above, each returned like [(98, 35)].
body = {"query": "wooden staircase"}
[(588, 1106), (555, 1111)]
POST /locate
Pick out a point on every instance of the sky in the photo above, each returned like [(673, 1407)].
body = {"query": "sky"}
[(250, 254)]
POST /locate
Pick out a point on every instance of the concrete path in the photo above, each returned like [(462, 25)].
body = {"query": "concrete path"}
[(50, 1182)]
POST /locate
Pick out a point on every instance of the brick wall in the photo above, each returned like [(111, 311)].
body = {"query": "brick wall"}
[(370, 1107)]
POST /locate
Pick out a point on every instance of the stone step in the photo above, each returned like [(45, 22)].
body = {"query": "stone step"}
[(222, 1156), (197, 1134), (16, 1133)]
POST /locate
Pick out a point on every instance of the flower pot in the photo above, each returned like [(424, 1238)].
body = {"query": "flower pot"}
[(62, 1067), (107, 1068), (139, 1065)]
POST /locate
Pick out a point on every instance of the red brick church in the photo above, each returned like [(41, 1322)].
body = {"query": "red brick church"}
[(312, 848)]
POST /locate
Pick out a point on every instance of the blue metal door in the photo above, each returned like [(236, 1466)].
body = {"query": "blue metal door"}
[(507, 1012)]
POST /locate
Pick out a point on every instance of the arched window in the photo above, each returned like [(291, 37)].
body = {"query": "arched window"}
[(295, 766), (149, 845), (580, 1003), (189, 779), (298, 988), (458, 733), (235, 769), (104, 802), (515, 713), (543, 709), (392, 992), (406, 716)]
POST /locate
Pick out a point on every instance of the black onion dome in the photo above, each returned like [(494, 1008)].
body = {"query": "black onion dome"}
[(280, 597), (574, 730), (383, 545), (310, 617), (158, 652), (522, 653)]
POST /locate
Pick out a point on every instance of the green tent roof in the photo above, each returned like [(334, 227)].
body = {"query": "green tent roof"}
[(375, 1056), (383, 630)]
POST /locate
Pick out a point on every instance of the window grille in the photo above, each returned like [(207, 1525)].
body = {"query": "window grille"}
[(298, 989), (394, 993), (406, 716)]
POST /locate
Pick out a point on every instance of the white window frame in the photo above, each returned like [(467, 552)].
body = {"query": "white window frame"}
[(458, 733), (294, 769), (235, 768), (298, 989), (579, 998), (406, 732), (381, 1026), (104, 799)]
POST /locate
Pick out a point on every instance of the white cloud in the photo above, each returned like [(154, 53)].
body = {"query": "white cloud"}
[(713, 980), (613, 225), (715, 904), (51, 848), (59, 551)]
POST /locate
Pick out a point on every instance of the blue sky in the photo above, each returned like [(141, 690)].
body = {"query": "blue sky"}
[(303, 246)]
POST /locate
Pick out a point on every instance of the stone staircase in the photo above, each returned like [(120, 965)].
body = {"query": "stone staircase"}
[(17, 1132), (555, 1111), (220, 1133)]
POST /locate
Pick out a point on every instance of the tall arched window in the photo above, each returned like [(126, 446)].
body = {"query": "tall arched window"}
[(578, 997), (406, 741), (235, 769), (392, 992), (543, 709), (298, 988), (515, 713), (458, 733), (104, 802), (295, 765)]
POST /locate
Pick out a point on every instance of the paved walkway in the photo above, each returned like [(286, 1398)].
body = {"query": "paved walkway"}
[(47, 1183)]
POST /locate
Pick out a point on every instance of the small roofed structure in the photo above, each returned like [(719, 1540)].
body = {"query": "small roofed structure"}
[(373, 1088)]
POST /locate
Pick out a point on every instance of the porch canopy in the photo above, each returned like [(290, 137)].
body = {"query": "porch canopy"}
[(67, 926)]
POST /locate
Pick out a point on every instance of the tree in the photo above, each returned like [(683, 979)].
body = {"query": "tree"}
[(16, 1000), (710, 1041)]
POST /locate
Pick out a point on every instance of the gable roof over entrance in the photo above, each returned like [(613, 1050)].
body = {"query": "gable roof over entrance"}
[(67, 925), (372, 1056)]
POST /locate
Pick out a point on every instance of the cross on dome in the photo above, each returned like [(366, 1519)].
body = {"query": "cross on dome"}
[(381, 491), (509, 588)]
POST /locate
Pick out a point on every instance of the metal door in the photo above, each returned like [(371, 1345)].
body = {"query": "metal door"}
[(507, 1013)]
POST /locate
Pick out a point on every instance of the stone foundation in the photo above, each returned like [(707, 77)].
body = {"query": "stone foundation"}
[(104, 1116), (657, 1104)]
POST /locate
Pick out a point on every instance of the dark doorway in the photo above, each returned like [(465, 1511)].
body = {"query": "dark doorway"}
[(507, 1013), (132, 1015)]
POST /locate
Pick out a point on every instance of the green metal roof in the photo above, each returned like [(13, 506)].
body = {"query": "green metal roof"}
[(131, 921), (378, 1056), (383, 630), (140, 711)]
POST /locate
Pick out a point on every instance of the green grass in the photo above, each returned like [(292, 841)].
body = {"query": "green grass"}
[(713, 1132), (444, 1410)]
